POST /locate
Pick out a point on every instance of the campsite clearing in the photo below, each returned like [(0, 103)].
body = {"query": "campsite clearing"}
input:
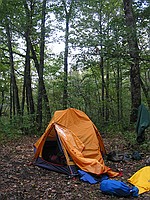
[(20, 180)]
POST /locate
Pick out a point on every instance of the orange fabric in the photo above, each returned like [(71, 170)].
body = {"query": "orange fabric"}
[(80, 138), (80, 124)]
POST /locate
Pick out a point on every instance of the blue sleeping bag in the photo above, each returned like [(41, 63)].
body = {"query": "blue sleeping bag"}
[(118, 188)]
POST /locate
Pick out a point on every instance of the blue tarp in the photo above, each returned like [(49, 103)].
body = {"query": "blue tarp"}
[(84, 176)]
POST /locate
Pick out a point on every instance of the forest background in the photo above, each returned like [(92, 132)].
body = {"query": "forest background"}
[(101, 68)]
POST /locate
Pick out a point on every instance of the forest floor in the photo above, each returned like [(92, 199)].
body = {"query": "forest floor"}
[(20, 180)]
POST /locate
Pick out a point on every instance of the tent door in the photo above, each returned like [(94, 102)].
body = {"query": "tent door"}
[(53, 152)]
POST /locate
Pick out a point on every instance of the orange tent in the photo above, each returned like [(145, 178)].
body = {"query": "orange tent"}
[(75, 136)]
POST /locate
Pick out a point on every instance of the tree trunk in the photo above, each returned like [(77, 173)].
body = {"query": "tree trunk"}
[(67, 18), (103, 87), (42, 94), (65, 93), (2, 102), (118, 92), (98, 95), (14, 100), (107, 94), (23, 96), (27, 89), (41, 67), (134, 55), (29, 96), (121, 102), (102, 61)]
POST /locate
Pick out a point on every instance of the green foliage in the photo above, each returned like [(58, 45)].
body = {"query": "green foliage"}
[(8, 130), (28, 124), (17, 126), (130, 137)]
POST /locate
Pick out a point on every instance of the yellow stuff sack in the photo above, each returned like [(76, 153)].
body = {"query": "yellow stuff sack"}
[(141, 179)]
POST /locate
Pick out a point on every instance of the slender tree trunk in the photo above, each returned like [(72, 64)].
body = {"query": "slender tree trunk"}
[(103, 87), (23, 96), (14, 104), (118, 92), (107, 94), (2, 102), (134, 55), (67, 18), (102, 61), (65, 93), (148, 31), (121, 102), (29, 96), (27, 76), (41, 66), (98, 95), (42, 94)]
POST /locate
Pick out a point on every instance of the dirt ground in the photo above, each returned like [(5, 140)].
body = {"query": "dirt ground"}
[(20, 180)]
